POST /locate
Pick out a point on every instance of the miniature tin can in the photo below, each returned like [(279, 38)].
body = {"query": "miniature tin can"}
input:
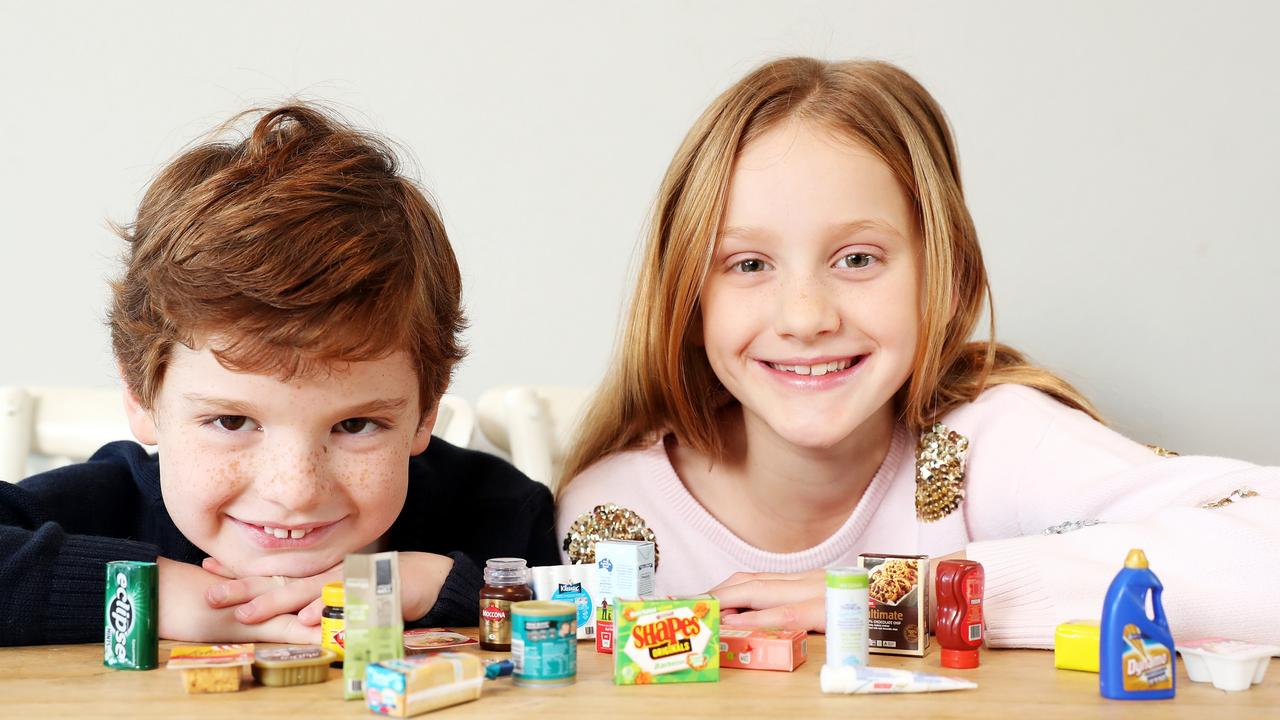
[(130, 640), (847, 610), (544, 643)]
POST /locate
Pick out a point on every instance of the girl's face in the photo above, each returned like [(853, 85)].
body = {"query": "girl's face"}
[(811, 308)]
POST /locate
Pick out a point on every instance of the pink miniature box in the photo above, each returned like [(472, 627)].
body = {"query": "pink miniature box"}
[(763, 649)]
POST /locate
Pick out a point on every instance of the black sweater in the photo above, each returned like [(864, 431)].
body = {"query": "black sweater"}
[(58, 528)]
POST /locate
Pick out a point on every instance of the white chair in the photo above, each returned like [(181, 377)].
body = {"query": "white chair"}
[(455, 421), (534, 424), (46, 427)]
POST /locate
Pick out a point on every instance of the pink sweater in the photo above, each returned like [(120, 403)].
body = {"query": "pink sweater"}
[(1033, 463)]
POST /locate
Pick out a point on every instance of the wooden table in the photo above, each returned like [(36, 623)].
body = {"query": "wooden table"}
[(66, 681)]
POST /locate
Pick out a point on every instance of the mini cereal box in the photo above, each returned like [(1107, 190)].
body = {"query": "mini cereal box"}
[(667, 640)]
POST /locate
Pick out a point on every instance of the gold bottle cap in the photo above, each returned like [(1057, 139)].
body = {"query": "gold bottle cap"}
[(1136, 559)]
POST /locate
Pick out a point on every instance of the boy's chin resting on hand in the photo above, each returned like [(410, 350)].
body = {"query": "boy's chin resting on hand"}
[(260, 601)]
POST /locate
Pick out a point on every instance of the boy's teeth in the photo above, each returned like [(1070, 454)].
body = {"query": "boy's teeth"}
[(283, 534)]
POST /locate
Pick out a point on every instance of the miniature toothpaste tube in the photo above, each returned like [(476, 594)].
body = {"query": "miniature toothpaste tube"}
[(864, 680), (211, 668), (414, 685), (1231, 665), (763, 649)]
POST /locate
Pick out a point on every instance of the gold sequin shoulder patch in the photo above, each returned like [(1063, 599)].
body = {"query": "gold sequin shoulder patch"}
[(939, 472), (605, 522)]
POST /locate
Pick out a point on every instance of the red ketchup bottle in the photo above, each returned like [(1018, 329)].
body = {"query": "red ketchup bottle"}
[(959, 620)]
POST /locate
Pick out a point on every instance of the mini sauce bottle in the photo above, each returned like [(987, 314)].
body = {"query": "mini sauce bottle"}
[(1137, 659), (506, 582), (958, 626), (333, 621)]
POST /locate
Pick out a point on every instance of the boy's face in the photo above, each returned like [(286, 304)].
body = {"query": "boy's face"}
[(284, 478)]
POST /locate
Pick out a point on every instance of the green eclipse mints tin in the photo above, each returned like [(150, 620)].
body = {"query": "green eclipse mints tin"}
[(130, 641)]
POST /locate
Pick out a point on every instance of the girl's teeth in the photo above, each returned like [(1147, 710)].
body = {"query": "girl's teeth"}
[(816, 370), (295, 534)]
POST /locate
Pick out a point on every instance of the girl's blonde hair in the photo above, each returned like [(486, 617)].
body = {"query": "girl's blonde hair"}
[(662, 382)]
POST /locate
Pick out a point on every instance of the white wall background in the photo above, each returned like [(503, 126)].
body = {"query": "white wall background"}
[(1120, 159)]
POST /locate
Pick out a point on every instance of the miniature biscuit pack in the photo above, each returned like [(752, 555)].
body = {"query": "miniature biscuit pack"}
[(898, 603), (763, 649), (414, 685), (667, 640)]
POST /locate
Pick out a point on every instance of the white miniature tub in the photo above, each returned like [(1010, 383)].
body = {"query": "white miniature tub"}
[(1230, 665)]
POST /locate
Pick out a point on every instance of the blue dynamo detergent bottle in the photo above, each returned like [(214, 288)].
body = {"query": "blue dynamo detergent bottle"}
[(1138, 661)]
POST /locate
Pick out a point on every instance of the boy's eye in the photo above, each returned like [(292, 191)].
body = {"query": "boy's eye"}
[(234, 423), (750, 265), (356, 426), (855, 261)]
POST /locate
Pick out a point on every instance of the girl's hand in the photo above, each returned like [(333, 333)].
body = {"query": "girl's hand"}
[(257, 599), (787, 600), (185, 613)]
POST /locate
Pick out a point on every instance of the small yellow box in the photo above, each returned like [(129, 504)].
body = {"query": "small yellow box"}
[(1076, 645)]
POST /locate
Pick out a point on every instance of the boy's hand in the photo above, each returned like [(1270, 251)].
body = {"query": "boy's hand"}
[(786, 600), (185, 615), (421, 577), (261, 598), (258, 599)]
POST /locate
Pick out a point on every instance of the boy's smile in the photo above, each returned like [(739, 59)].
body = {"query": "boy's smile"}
[(284, 478)]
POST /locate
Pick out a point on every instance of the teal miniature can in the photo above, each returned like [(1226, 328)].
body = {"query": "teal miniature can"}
[(131, 640), (544, 643)]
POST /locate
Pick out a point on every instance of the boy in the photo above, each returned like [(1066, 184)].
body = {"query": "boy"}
[(285, 325)]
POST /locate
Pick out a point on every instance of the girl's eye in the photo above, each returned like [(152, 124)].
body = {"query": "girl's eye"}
[(234, 423), (750, 265), (356, 426), (855, 261)]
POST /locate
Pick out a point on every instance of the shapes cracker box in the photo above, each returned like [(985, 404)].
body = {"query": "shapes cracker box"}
[(667, 640)]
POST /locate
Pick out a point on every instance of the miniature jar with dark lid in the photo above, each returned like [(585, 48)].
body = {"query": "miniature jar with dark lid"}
[(506, 581)]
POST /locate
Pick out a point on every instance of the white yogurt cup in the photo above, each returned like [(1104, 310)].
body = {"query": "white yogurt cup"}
[(1231, 665)]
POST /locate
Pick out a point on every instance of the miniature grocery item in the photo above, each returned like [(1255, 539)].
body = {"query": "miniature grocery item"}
[(332, 624), (374, 624), (863, 680), (959, 589), (573, 584), (1137, 659), (412, 686), (667, 640), (506, 581), (763, 649), (420, 640), (211, 668), (898, 610), (544, 643), (624, 568), (281, 666), (847, 611), (130, 640), (1231, 665), (494, 669), (1075, 645)]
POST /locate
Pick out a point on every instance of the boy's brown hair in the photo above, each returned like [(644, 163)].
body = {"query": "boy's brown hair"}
[(296, 246)]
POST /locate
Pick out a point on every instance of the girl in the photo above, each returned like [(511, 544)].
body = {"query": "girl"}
[(796, 386)]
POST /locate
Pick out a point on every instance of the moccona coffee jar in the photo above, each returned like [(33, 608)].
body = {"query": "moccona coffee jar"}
[(506, 581)]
